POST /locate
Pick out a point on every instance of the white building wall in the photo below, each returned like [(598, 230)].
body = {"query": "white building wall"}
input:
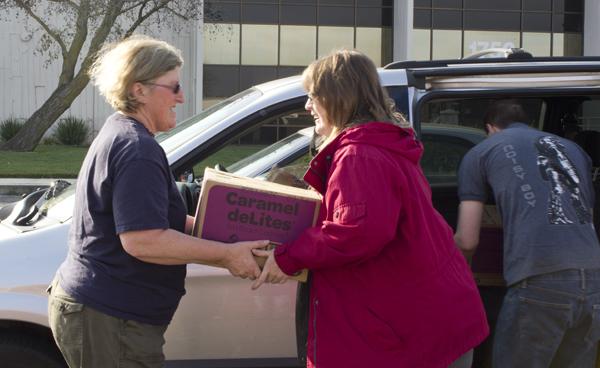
[(26, 81)]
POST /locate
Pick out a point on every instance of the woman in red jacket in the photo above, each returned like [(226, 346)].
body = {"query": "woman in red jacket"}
[(389, 288)]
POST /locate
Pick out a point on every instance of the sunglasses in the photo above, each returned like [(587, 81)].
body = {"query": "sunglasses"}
[(175, 89)]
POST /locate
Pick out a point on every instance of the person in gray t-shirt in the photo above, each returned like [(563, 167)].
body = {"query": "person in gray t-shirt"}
[(542, 187)]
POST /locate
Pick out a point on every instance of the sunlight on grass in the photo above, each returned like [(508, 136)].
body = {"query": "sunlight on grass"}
[(47, 161)]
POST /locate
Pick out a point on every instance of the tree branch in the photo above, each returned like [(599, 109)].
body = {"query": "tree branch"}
[(71, 4), (143, 3), (79, 37), (21, 4), (182, 16), (141, 11), (141, 19), (114, 10)]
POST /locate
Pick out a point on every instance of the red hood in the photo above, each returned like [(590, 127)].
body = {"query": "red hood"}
[(400, 141)]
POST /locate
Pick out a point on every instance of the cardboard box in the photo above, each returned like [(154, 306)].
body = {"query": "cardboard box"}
[(487, 262), (233, 208)]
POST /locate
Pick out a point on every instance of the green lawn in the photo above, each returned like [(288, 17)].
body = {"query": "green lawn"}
[(57, 161), (47, 161)]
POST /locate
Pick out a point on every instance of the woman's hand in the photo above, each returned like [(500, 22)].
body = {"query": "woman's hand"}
[(271, 273)]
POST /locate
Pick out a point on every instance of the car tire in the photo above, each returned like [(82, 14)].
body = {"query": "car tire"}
[(28, 352)]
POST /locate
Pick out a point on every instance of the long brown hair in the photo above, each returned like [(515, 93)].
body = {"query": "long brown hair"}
[(346, 84)]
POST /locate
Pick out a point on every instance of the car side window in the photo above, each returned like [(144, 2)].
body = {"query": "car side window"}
[(442, 156), (452, 126), (587, 120), (400, 96), (470, 112), (262, 134)]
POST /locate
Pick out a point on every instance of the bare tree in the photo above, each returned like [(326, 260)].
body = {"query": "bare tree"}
[(75, 30)]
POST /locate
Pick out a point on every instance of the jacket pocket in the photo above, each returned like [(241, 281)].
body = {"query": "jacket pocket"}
[(349, 213)]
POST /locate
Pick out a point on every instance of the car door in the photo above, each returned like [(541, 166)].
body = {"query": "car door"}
[(221, 321), (551, 102)]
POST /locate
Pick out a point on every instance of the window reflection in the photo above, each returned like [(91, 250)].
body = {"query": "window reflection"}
[(298, 14), (259, 44), (573, 44), (567, 44), (421, 18), (480, 40), (332, 38), (537, 5), (253, 75), (500, 24), (421, 44), (504, 21), (260, 13), (447, 3), (567, 23), (493, 4), (298, 45), (558, 40), (220, 80), (446, 44), (286, 35), (221, 12), (336, 15), (374, 17), (537, 22), (537, 44), (447, 19), (368, 40), (221, 43)]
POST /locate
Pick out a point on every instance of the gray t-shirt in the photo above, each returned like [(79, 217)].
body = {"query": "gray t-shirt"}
[(543, 190)]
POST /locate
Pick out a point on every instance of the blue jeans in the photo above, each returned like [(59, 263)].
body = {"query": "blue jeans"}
[(550, 320)]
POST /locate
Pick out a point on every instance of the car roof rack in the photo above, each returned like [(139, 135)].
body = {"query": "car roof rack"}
[(414, 64)]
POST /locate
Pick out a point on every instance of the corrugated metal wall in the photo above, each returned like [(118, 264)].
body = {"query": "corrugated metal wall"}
[(26, 79)]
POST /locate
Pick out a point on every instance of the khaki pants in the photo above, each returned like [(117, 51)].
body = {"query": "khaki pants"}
[(90, 339)]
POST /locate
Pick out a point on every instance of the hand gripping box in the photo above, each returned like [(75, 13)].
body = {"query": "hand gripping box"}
[(233, 208)]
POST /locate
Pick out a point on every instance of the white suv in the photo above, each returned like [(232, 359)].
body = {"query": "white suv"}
[(221, 322)]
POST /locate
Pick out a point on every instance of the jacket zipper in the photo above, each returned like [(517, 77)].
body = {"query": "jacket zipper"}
[(315, 305), (322, 178)]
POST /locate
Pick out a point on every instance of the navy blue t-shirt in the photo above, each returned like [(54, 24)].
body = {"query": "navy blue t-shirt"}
[(124, 184), (543, 189)]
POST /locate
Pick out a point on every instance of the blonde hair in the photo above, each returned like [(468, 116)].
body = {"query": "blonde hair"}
[(346, 84), (136, 59)]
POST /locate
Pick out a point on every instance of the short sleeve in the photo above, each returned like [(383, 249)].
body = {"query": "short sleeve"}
[(472, 182), (140, 196)]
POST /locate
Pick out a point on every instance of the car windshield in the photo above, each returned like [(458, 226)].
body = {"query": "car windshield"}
[(53, 201), (204, 120)]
